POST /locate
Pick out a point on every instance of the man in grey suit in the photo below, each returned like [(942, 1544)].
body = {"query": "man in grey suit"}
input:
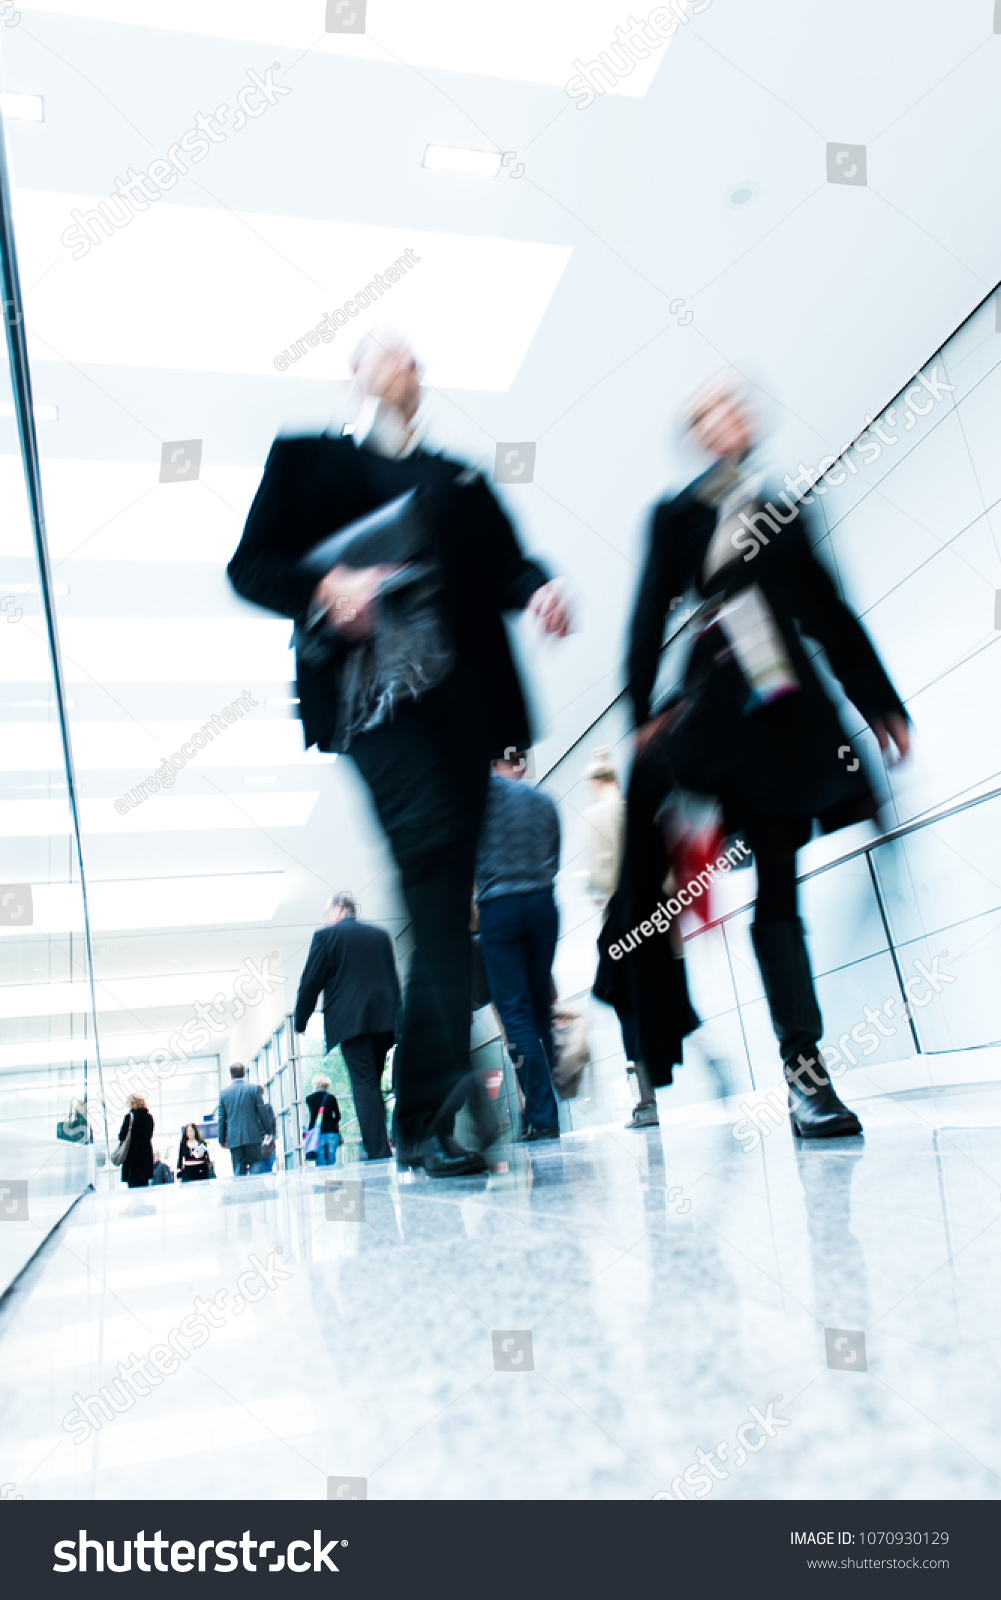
[(242, 1121)]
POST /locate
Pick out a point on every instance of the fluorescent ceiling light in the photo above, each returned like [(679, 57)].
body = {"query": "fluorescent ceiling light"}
[(154, 903), (280, 700), (138, 748), (22, 107), (472, 304), (526, 42), (477, 163), (42, 413), (119, 511), (114, 994), (181, 813)]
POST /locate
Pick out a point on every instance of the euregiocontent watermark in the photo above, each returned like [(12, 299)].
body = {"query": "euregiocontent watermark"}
[(163, 777), (660, 920), (326, 329)]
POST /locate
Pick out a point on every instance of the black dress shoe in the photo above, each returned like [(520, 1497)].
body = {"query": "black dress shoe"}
[(814, 1108), (532, 1134), (441, 1156)]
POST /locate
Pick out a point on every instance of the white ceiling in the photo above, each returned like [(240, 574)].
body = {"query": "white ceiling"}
[(574, 300)]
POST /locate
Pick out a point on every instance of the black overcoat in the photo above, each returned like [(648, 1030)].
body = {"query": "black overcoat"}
[(313, 486), (788, 758), (137, 1168)]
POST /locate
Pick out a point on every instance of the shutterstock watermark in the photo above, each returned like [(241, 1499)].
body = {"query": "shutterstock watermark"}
[(250, 987), (166, 772), (706, 1471), (754, 1122), (326, 329), (636, 42), (132, 194), (660, 919), (140, 1374), (750, 537)]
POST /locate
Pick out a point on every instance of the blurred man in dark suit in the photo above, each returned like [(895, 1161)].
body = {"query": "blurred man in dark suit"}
[(425, 756), (352, 962)]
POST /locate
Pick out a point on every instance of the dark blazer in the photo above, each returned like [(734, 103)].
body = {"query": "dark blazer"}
[(137, 1168), (241, 1114), (353, 963), (314, 486), (785, 758)]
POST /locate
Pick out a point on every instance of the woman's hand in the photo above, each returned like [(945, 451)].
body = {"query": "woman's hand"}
[(893, 726), (347, 595), (550, 604)]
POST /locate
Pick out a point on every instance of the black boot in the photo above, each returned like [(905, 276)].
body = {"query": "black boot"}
[(814, 1108)]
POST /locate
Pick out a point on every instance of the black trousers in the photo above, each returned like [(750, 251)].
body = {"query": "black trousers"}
[(774, 842), (427, 772), (365, 1059)]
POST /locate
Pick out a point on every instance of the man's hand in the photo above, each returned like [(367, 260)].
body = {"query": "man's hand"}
[(347, 595), (550, 604), (893, 726)]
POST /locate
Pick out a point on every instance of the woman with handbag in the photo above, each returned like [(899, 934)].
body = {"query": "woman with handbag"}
[(752, 725), (323, 1137), (134, 1154), (192, 1155)]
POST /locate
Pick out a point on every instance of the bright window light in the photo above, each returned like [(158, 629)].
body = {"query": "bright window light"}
[(120, 906), (447, 158), (114, 994), (22, 107), (527, 42), (471, 303), (56, 1052), (161, 814), (119, 511), (131, 748), (42, 413), (205, 650)]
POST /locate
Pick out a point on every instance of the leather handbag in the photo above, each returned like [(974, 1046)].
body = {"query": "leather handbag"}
[(121, 1150)]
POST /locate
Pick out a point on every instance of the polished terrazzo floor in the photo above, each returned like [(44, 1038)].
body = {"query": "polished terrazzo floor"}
[(580, 1324)]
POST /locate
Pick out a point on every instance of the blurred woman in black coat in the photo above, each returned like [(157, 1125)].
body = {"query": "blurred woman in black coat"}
[(137, 1168), (753, 725)]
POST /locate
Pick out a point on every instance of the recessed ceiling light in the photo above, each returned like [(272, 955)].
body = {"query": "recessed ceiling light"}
[(279, 700), (448, 158), (741, 194), (23, 107), (42, 413)]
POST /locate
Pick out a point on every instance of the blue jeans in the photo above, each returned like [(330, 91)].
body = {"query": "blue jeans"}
[(518, 939), (327, 1153)]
